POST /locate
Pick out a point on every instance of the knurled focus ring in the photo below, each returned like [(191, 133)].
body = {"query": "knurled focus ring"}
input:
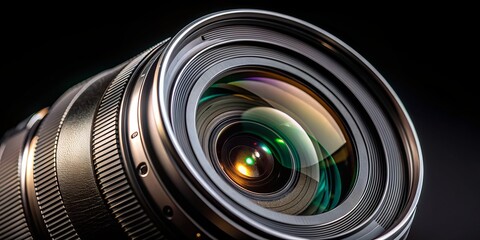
[(13, 224), (109, 164), (45, 178)]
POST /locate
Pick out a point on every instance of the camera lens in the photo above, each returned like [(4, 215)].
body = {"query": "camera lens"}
[(246, 124), (279, 143)]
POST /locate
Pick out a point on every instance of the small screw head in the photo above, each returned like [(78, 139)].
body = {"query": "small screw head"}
[(143, 169), (168, 212)]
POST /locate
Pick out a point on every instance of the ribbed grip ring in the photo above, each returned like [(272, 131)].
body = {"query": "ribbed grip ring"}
[(13, 223), (45, 171), (109, 164)]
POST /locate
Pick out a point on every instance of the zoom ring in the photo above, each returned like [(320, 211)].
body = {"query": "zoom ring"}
[(45, 178), (13, 224), (108, 161)]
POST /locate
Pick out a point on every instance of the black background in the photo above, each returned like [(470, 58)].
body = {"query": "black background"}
[(428, 54)]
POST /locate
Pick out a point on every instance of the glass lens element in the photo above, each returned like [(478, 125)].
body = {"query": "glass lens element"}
[(277, 142)]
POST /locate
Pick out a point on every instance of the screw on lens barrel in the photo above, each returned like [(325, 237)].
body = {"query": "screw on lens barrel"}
[(168, 212), (143, 169)]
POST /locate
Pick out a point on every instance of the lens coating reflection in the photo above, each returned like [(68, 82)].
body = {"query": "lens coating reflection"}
[(277, 142)]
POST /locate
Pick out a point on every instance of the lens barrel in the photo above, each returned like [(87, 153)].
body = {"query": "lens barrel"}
[(246, 124)]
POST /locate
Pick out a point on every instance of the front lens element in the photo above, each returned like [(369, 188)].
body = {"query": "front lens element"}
[(276, 141)]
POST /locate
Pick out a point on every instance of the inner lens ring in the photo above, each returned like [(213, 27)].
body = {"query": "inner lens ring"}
[(306, 129), (259, 61)]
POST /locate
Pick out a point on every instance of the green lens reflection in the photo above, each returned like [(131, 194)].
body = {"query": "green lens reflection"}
[(249, 161)]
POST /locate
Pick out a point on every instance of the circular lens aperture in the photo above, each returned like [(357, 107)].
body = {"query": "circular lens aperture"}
[(276, 141), (250, 155)]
